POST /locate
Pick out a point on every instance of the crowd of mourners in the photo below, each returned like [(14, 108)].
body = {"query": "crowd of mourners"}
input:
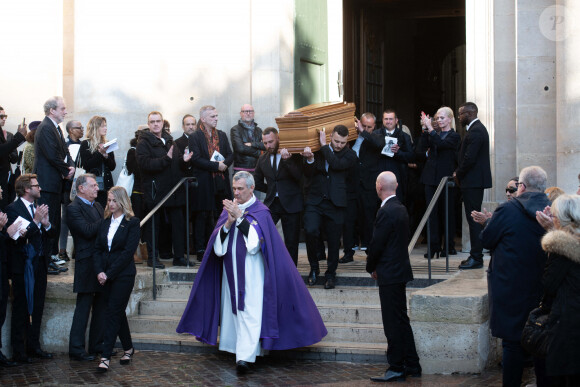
[(62, 182)]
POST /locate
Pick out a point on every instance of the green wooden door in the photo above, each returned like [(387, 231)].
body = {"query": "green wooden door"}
[(310, 53)]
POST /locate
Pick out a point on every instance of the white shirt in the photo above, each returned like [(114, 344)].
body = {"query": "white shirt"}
[(471, 123), (387, 198), (115, 223)]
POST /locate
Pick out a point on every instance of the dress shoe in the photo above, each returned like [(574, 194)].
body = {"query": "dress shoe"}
[(414, 372), (5, 362), (348, 257), (390, 376), (57, 260), (471, 263), (40, 354), (81, 356), (313, 277), (433, 254), (23, 359), (64, 256), (182, 262), (242, 367), (329, 284), (158, 265), (52, 272), (53, 266), (451, 252)]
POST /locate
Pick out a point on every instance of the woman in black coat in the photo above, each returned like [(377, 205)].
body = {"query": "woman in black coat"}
[(439, 150), (562, 289), (94, 157), (117, 240)]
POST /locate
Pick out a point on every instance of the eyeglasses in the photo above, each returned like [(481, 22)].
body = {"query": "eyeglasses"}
[(511, 190), (518, 185), (34, 185), (3, 116), (247, 111)]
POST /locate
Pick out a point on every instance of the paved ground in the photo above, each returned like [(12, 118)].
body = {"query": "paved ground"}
[(164, 369)]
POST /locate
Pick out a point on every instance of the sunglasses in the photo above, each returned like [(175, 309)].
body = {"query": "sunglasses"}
[(511, 190)]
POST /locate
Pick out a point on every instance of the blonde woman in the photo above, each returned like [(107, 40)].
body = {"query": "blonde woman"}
[(94, 156), (117, 240)]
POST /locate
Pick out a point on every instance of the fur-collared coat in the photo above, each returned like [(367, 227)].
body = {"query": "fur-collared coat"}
[(562, 284)]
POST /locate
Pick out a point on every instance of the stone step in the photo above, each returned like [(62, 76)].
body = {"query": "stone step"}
[(329, 312), (365, 333), (325, 350), (341, 295)]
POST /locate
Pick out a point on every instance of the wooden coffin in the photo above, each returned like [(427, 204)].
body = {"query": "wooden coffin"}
[(300, 128)]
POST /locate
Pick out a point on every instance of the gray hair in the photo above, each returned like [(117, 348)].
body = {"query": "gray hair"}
[(82, 180), (204, 110), (245, 175), (51, 103), (534, 178), (369, 116), (567, 209)]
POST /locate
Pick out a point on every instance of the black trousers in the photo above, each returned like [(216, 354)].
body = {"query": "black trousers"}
[(437, 218), (53, 201), (401, 351), (175, 217), (26, 335), (290, 226), (117, 294), (331, 218), (203, 223), (4, 293), (349, 228), (85, 303), (472, 199)]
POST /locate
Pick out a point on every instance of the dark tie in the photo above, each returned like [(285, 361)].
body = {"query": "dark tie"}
[(274, 164), (32, 210)]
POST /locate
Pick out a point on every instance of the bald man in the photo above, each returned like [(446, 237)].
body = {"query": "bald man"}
[(388, 263), (246, 139)]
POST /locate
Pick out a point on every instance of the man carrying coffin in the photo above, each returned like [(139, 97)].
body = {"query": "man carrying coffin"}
[(248, 285)]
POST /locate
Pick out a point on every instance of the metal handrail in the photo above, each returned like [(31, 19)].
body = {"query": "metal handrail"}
[(155, 209), (443, 184)]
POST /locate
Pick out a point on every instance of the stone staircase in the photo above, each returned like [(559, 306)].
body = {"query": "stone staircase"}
[(351, 314)]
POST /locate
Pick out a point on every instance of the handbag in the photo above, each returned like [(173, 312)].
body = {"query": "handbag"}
[(125, 179), (78, 171), (101, 179), (537, 335)]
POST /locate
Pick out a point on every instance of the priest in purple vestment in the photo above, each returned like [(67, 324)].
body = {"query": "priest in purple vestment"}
[(247, 285)]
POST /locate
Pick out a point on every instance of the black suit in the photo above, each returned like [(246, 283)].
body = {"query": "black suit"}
[(474, 175), (8, 155), (326, 201), (50, 152), (283, 195), (439, 150), (388, 256), (84, 221), (214, 186), (119, 266), (26, 335), (4, 287)]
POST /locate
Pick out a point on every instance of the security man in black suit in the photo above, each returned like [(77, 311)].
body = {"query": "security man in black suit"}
[(84, 216), (388, 263), (283, 173), (52, 162), (325, 192), (473, 175), (25, 329)]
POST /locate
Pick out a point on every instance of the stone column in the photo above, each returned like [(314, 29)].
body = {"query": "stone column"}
[(568, 95)]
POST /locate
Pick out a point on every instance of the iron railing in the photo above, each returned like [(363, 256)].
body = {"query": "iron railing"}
[(444, 184), (186, 180)]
